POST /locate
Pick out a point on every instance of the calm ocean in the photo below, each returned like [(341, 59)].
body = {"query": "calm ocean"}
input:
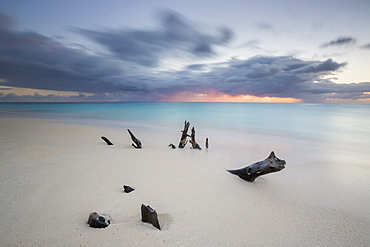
[(338, 124)]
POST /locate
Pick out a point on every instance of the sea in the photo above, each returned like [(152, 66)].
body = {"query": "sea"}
[(343, 126)]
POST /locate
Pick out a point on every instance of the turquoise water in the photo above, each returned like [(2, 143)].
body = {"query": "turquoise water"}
[(342, 123)]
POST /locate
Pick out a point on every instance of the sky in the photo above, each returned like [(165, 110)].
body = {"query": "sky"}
[(198, 51)]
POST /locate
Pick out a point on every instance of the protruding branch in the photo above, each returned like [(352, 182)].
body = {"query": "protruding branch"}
[(135, 140), (183, 140), (194, 144), (106, 140), (149, 215), (270, 164)]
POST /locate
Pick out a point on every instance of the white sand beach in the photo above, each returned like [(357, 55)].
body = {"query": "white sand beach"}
[(54, 174)]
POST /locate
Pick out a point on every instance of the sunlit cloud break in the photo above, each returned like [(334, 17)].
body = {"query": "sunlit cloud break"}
[(134, 67)]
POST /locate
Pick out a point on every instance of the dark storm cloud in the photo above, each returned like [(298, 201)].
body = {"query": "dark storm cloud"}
[(175, 37), (341, 41), (31, 60)]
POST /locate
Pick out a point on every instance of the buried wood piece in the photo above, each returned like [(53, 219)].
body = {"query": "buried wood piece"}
[(127, 188), (194, 144), (206, 142), (97, 221), (149, 215), (106, 140), (184, 135), (135, 140), (270, 164), (172, 146)]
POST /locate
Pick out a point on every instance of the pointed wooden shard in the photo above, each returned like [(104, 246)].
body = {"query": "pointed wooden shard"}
[(149, 215), (269, 165), (106, 140), (127, 188), (183, 140), (137, 142)]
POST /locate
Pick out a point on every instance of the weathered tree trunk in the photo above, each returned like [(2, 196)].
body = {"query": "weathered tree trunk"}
[(135, 140), (183, 140), (97, 221), (270, 164), (149, 215), (106, 140), (194, 144)]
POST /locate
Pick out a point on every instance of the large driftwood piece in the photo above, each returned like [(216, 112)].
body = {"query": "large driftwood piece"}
[(149, 215), (97, 221), (270, 164), (137, 142), (106, 140), (194, 144), (184, 135)]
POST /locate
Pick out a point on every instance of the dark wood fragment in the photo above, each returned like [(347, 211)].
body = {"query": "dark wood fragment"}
[(172, 146), (137, 142), (97, 221), (206, 142), (269, 165), (127, 188), (149, 215), (183, 140), (106, 140)]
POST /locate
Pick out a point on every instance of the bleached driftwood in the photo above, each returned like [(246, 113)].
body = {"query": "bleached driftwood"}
[(106, 140), (183, 140), (149, 215), (194, 144), (269, 165), (135, 140)]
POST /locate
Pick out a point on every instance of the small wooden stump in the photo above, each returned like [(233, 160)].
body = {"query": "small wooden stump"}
[(106, 140), (137, 142), (149, 215), (206, 142), (127, 189), (269, 165), (97, 221)]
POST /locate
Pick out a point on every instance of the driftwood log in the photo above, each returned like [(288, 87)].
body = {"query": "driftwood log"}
[(206, 142), (194, 144), (97, 221), (269, 165), (106, 140), (149, 215), (137, 142), (127, 188), (183, 140)]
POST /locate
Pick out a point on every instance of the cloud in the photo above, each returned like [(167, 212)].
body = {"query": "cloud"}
[(132, 71), (341, 41), (175, 37), (366, 46)]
